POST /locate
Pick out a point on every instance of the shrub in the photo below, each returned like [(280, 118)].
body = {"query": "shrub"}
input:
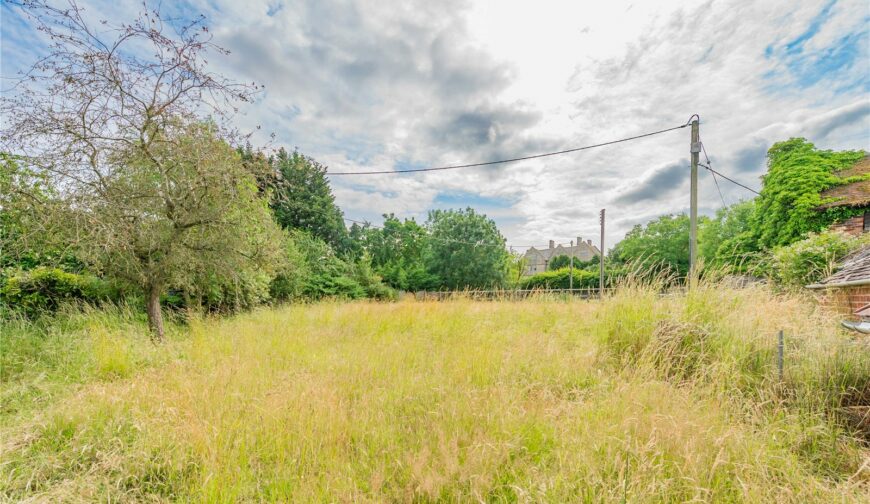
[(289, 282), (45, 289), (327, 275), (560, 279), (811, 259), (564, 261), (228, 295)]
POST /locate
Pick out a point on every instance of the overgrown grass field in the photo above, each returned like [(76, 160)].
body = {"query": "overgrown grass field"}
[(639, 398)]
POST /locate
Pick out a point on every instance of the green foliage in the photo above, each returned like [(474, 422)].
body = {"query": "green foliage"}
[(744, 237), (46, 289), (675, 397), (466, 250), (790, 196), (289, 282), (397, 253), (302, 199), (244, 290), (560, 279), (516, 267), (328, 275), (725, 238), (27, 241), (564, 261), (662, 244), (811, 259)]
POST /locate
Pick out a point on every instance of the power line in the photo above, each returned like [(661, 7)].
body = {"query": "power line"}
[(714, 172), (511, 160), (719, 190), (715, 181), (729, 179)]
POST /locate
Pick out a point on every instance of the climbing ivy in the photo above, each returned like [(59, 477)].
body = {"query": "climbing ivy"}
[(788, 206)]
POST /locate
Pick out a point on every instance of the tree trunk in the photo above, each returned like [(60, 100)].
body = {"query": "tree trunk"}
[(155, 317)]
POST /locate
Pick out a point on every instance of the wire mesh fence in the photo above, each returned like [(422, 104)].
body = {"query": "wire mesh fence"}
[(510, 294)]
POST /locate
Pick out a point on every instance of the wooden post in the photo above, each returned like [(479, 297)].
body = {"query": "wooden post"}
[(601, 260), (571, 275), (695, 150)]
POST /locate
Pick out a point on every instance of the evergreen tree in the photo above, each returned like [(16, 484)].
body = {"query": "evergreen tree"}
[(302, 199)]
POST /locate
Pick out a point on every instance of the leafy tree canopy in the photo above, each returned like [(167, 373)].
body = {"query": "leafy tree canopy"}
[(24, 242), (662, 243), (724, 238), (397, 253), (466, 249)]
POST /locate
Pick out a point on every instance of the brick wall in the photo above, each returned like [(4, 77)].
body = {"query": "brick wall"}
[(845, 300), (853, 226)]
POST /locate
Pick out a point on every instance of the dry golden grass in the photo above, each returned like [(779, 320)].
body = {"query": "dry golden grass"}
[(636, 399)]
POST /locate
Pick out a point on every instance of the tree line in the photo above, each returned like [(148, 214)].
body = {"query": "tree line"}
[(122, 179)]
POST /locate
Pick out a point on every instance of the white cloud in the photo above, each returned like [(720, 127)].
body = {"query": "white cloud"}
[(363, 85)]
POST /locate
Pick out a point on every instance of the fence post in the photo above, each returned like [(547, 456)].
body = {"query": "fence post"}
[(779, 360)]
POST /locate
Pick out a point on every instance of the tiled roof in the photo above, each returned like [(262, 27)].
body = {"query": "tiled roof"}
[(856, 194), (855, 268)]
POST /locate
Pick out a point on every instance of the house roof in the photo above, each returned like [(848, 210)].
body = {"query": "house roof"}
[(558, 250), (853, 270), (856, 194)]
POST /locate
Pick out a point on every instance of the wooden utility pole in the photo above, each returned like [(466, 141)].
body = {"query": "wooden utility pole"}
[(571, 276), (601, 259), (695, 149)]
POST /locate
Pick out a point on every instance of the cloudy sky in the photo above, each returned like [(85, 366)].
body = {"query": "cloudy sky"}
[(366, 85)]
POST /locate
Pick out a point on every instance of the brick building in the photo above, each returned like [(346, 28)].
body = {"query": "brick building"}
[(848, 290), (855, 195)]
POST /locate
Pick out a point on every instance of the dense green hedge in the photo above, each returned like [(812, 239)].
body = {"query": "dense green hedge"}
[(560, 279), (44, 289)]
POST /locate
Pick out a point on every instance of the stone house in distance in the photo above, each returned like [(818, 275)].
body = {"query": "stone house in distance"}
[(537, 260)]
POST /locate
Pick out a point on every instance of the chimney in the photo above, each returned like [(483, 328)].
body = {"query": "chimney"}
[(579, 241), (552, 244), (589, 242)]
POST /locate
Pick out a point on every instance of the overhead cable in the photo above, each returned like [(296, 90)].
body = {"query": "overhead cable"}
[(511, 160)]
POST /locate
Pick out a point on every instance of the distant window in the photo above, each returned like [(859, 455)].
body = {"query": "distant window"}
[(867, 221)]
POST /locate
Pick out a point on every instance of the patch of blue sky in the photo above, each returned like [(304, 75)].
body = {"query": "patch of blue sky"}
[(180, 14), (274, 8), (291, 112), (797, 45), (356, 149), (21, 44), (831, 61), (462, 199), (369, 189), (801, 69), (408, 165)]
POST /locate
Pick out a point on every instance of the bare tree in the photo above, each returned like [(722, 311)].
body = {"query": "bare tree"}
[(149, 192)]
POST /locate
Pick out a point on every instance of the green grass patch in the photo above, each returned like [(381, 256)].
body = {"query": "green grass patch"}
[(637, 398)]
